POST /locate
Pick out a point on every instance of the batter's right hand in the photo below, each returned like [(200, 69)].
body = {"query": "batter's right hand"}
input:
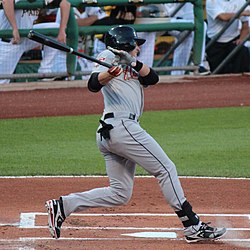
[(115, 71)]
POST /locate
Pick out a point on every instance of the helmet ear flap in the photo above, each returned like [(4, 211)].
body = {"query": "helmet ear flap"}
[(110, 41)]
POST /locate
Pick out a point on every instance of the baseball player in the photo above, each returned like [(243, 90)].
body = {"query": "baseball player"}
[(124, 143), (11, 50), (219, 12)]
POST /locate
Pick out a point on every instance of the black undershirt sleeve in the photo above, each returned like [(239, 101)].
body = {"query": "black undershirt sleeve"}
[(93, 83), (150, 79)]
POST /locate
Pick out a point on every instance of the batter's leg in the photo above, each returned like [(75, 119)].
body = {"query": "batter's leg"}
[(138, 146), (121, 177), (134, 143)]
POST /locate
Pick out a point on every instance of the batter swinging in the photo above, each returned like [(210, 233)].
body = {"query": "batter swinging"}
[(124, 143)]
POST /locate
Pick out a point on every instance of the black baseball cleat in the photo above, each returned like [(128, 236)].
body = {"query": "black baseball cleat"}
[(56, 217), (203, 232)]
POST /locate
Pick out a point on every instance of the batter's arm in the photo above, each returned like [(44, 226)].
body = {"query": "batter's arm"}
[(147, 75), (8, 6), (98, 80), (150, 79)]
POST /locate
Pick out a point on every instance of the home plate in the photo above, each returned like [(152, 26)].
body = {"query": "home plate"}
[(169, 235)]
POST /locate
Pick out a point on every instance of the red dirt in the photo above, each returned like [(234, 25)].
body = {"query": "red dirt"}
[(229, 91)]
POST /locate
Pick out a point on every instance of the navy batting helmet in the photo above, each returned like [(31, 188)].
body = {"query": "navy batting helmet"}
[(123, 37)]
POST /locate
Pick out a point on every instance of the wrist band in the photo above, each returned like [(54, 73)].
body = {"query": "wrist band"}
[(138, 66)]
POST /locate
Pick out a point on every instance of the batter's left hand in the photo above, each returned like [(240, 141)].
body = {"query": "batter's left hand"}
[(125, 57), (115, 71)]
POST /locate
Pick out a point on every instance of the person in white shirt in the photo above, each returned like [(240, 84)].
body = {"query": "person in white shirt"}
[(86, 16), (219, 12), (12, 49), (183, 51)]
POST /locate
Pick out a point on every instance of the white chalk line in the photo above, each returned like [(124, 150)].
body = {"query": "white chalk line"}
[(102, 176)]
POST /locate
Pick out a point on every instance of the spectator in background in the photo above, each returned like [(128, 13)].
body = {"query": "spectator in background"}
[(86, 16), (11, 50), (119, 15), (219, 12), (144, 12), (183, 51)]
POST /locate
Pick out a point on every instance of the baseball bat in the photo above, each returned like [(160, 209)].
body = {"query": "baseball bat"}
[(40, 38)]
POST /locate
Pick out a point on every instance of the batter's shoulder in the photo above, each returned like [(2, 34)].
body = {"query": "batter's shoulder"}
[(107, 56)]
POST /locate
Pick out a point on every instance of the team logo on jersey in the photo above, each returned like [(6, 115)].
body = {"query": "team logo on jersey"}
[(129, 73), (31, 12), (96, 65)]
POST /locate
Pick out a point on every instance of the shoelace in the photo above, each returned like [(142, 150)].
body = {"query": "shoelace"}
[(205, 226)]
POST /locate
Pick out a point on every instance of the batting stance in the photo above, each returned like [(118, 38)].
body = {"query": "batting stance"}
[(123, 143)]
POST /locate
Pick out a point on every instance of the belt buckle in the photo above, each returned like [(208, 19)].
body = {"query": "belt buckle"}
[(131, 116)]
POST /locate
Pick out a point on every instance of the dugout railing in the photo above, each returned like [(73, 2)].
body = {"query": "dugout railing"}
[(73, 30)]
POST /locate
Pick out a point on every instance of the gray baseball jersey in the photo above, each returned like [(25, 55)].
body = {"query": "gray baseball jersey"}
[(124, 93), (129, 144)]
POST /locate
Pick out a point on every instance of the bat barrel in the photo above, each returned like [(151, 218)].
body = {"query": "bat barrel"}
[(40, 38)]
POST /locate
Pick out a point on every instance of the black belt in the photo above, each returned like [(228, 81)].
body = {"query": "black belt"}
[(112, 115), (6, 40)]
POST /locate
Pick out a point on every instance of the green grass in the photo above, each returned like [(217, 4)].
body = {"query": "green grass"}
[(201, 142)]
